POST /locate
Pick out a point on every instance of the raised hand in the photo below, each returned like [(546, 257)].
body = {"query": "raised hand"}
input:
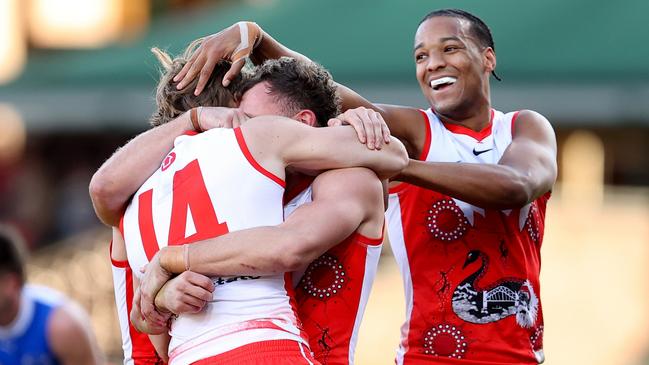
[(234, 44)]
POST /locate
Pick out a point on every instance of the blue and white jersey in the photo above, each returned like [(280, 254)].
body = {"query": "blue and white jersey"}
[(24, 341)]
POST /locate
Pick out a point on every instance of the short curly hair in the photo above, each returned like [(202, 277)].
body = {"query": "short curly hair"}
[(298, 85), (171, 102)]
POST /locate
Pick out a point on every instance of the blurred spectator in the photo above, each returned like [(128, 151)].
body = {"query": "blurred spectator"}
[(38, 325)]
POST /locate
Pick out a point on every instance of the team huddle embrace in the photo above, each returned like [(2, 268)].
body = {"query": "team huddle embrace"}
[(248, 222)]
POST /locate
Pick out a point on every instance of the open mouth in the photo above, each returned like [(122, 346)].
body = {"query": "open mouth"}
[(442, 83)]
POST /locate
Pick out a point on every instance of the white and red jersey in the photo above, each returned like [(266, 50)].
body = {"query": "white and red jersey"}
[(471, 275), (138, 349), (207, 186), (333, 291)]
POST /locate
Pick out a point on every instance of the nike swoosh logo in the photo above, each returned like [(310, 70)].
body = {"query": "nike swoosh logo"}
[(478, 153)]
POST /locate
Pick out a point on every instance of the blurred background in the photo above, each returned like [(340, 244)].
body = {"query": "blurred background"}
[(77, 81)]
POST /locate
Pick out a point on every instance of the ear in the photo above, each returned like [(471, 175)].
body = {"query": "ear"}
[(307, 117), (489, 58)]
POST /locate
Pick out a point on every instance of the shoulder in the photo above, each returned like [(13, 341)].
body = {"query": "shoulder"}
[(530, 118), (69, 331), (532, 125)]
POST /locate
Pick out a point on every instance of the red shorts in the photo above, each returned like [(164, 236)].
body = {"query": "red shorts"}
[(275, 352)]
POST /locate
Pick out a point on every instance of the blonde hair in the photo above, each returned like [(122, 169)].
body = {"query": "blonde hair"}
[(172, 102)]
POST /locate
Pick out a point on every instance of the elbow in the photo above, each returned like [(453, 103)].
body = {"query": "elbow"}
[(103, 199), (515, 193), (294, 254), (398, 159)]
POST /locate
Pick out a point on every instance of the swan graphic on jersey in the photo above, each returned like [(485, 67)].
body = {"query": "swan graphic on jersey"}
[(477, 304)]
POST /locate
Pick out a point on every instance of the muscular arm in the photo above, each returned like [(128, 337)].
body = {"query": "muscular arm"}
[(128, 168), (344, 201), (280, 142), (70, 337), (527, 169)]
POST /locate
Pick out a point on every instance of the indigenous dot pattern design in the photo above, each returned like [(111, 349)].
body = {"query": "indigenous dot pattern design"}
[(536, 339), (445, 340), (445, 221), (331, 274), (533, 223)]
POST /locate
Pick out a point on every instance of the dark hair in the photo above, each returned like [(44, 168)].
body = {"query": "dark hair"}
[(11, 255), (172, 102), (298, 85), (479, 29)]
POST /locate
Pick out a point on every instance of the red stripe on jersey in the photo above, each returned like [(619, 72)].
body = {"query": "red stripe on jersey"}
[(426, 148), (145, 221), (143, 352), (122, 264), (460, 129), (514, 121), (366, 240), (253, 162), (121, 225)]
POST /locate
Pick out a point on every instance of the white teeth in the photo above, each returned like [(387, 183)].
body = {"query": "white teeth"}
[(442, 80)]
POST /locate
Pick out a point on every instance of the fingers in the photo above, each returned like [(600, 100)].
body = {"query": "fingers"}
[(385, 130), (376, 121), (183, 72), (205, 74), (234, 70), (369, 129), (193, 71), (358, 125), (334, 122), (200, 281)]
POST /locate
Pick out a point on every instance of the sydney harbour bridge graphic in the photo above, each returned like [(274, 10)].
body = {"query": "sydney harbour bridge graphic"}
[(509, 297)]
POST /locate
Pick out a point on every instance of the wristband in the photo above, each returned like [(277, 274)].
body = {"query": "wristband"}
[(193, 117), (250, 36), (172, 259)]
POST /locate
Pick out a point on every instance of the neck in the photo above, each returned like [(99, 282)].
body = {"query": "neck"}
[(477, 119)]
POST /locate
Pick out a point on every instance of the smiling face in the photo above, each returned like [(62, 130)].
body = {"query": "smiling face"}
[(452, 66)]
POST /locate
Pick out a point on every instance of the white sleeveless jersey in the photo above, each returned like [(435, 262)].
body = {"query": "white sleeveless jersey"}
[(207, 186), (471, 275)]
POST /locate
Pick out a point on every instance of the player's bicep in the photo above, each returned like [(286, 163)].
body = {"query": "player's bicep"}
[(533, 151), (337, 210)]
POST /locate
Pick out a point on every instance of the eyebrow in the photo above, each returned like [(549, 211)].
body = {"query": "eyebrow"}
[(442, 40)]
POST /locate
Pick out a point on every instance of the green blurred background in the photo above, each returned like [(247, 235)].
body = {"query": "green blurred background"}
[(77, 81)]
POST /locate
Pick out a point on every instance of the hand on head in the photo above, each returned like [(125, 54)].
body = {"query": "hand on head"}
[(234, 44)]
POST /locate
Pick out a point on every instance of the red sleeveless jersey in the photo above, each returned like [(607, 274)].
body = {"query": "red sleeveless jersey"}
[(333, 291), (471, 275)]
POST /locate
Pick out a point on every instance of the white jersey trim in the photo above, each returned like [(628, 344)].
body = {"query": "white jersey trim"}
[(397, 242)]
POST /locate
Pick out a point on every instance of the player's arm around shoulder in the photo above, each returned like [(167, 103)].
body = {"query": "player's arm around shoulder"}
[(71, 338), (533, 155), (302, 146), (344, 201), (405, 123)]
